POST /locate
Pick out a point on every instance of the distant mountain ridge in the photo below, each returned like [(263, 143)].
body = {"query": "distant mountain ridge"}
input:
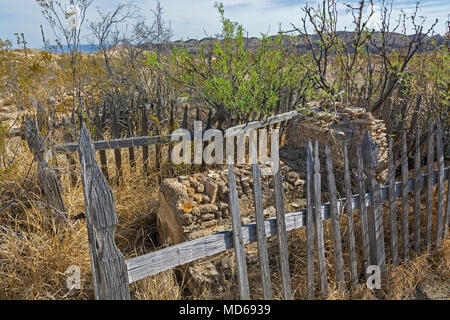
[(85, 48), (193, 45)]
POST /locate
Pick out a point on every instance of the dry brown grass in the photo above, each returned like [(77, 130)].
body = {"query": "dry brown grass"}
[(34, 255)]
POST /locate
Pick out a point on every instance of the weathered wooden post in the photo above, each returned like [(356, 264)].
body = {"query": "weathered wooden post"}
[(375, 216), (109, 271), (47, 175)]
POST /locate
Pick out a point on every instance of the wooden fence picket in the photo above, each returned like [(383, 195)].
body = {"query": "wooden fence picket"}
[(145, 147), (430, 164), (363, 209), (319, 225), (112, 274), (237, 235), (349, 212), (440, 185), (281, 223), (417, 193), (309, 222), (405, 213), (392, 206), (261, 229), (47, 175), (335, 224), (117, 152), (447, 208)]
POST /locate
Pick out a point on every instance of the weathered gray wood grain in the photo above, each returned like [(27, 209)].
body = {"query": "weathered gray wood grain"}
[(131, 149), (405, 207), (363, 209), (260, 229), (417, 193), (145, 141), (117, 152), (108, 266), (440, 184), (237, 130), (350, 223), (319, 225), (67, 137), (281, 225), (309, 222), (392, 205), (46, 174), (447, 208), (430, 164), (335, 224), (237, 235), (374, 214)]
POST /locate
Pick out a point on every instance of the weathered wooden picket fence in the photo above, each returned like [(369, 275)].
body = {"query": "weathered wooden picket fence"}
[(112, 274)]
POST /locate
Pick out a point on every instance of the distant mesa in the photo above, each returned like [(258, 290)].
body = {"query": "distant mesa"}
[(192, 46)]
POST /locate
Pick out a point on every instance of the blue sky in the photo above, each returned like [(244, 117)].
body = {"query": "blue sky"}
[(193, 19)]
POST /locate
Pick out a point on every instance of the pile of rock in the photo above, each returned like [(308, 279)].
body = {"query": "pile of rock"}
[(194, 206), (197, 205), (335, 126)]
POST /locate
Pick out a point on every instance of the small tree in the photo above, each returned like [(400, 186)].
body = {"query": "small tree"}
[(236, 82)]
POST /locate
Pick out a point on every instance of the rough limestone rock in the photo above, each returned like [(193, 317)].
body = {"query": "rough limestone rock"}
[(336, 125)]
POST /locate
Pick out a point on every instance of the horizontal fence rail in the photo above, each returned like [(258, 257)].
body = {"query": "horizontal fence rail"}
[(120, 143), (166, 139), (168, 258)]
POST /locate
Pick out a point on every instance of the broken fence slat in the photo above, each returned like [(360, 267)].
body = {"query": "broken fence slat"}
[(335, 224), (319, 225), (392, 205)]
